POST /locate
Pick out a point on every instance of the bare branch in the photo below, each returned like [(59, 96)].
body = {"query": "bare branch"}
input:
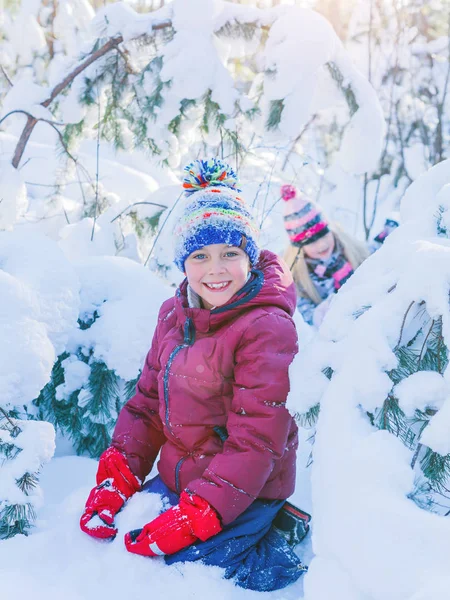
[(21, 144), (161, 229), (24, 112), (405, 316), (6, 76)]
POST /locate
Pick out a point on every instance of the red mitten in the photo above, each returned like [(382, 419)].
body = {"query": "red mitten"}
[(192, 519), (115, 484)]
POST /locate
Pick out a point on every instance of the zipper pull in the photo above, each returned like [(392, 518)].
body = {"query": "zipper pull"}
[(189, 332)]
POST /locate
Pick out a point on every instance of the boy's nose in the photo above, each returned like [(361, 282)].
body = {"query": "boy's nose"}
[(217, 266)]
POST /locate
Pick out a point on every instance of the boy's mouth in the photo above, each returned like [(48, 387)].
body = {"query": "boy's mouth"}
[(217, 287)]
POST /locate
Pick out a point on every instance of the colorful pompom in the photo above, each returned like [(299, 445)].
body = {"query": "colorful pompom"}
[(202, 174), (288, 192)]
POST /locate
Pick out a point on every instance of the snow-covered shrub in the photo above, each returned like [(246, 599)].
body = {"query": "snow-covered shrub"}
[(39, 298), (382, 441), (24, 447), (98, 370)]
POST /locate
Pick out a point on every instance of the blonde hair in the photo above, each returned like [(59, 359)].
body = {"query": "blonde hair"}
[(354, 251)]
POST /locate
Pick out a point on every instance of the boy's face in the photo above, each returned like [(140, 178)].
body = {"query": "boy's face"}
[(322, 249), (216, 272)]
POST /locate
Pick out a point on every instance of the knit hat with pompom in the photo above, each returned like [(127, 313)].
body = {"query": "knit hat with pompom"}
[(214, 212), (303, 219)]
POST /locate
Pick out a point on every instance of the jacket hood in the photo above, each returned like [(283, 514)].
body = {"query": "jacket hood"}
[(270, 284)]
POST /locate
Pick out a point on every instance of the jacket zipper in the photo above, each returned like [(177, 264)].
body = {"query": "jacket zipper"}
[(250, 289), (177, 474), (189, 339)]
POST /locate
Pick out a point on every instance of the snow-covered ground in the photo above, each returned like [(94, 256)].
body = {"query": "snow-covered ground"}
[(59, 561)]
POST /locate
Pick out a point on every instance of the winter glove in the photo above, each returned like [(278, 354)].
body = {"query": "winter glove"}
[(115, 484), (192, 519)]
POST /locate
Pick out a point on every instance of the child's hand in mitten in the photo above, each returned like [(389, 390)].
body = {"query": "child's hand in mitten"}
[(192, 519), (116, 483)]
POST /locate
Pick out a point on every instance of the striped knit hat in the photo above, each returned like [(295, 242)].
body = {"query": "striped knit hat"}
[(214, 212), (303, 220)]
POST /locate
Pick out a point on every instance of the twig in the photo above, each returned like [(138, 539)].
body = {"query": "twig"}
[(24, 112), (97, 154), (297, 139), (424, 344), (135, 204), (13, 425), (162, 227), (367, 227), (416, 455), (403, 324), (267, 191), (402, 144), (63, 143), (6, 76)]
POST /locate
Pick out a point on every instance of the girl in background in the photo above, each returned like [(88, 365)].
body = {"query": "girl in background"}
[(320, 255)]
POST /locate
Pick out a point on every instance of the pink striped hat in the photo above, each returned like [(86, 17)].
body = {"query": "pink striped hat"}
[(303, 220)]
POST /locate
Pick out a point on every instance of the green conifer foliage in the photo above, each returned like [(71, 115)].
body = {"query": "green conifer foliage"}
[(425, 351), (87, 416), (15, 517)]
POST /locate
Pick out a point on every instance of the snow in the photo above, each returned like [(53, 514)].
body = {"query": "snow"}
[(425, 389), (36, 441), (27, 38), (370, 540), (13, 195), (63, 561), (296, 33), (437, 434), (76, 375), (39, 292), (368, 472), (27, 96), (363, 138), (120, 19), (127, 298)]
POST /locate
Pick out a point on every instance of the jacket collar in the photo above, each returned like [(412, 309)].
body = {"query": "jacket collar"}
[(270, 285)]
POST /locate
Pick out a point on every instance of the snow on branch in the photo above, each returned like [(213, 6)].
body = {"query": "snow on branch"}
[(159, 87)]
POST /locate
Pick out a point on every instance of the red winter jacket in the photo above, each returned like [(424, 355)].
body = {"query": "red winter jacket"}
[(212, 396)]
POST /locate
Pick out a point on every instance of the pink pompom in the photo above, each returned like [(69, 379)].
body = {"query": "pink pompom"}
[(288, 192)]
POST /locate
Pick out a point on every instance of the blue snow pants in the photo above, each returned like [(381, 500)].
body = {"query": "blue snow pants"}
[(250, 550)]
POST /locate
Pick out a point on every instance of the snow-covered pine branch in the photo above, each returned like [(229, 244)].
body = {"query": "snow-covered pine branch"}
[(97, 372), (25, 446), (161, 75)]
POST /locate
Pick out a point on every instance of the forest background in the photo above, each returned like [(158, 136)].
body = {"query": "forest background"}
[(101, 106)]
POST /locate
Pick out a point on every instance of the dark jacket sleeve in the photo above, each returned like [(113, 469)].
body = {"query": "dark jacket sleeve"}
[(258, 423), (139, 433), (306, 307)]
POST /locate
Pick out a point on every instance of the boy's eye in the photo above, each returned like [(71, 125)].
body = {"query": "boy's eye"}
[(199, 256), (231, 253)]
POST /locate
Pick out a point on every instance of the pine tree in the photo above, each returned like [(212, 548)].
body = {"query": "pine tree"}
[(18, 515)]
